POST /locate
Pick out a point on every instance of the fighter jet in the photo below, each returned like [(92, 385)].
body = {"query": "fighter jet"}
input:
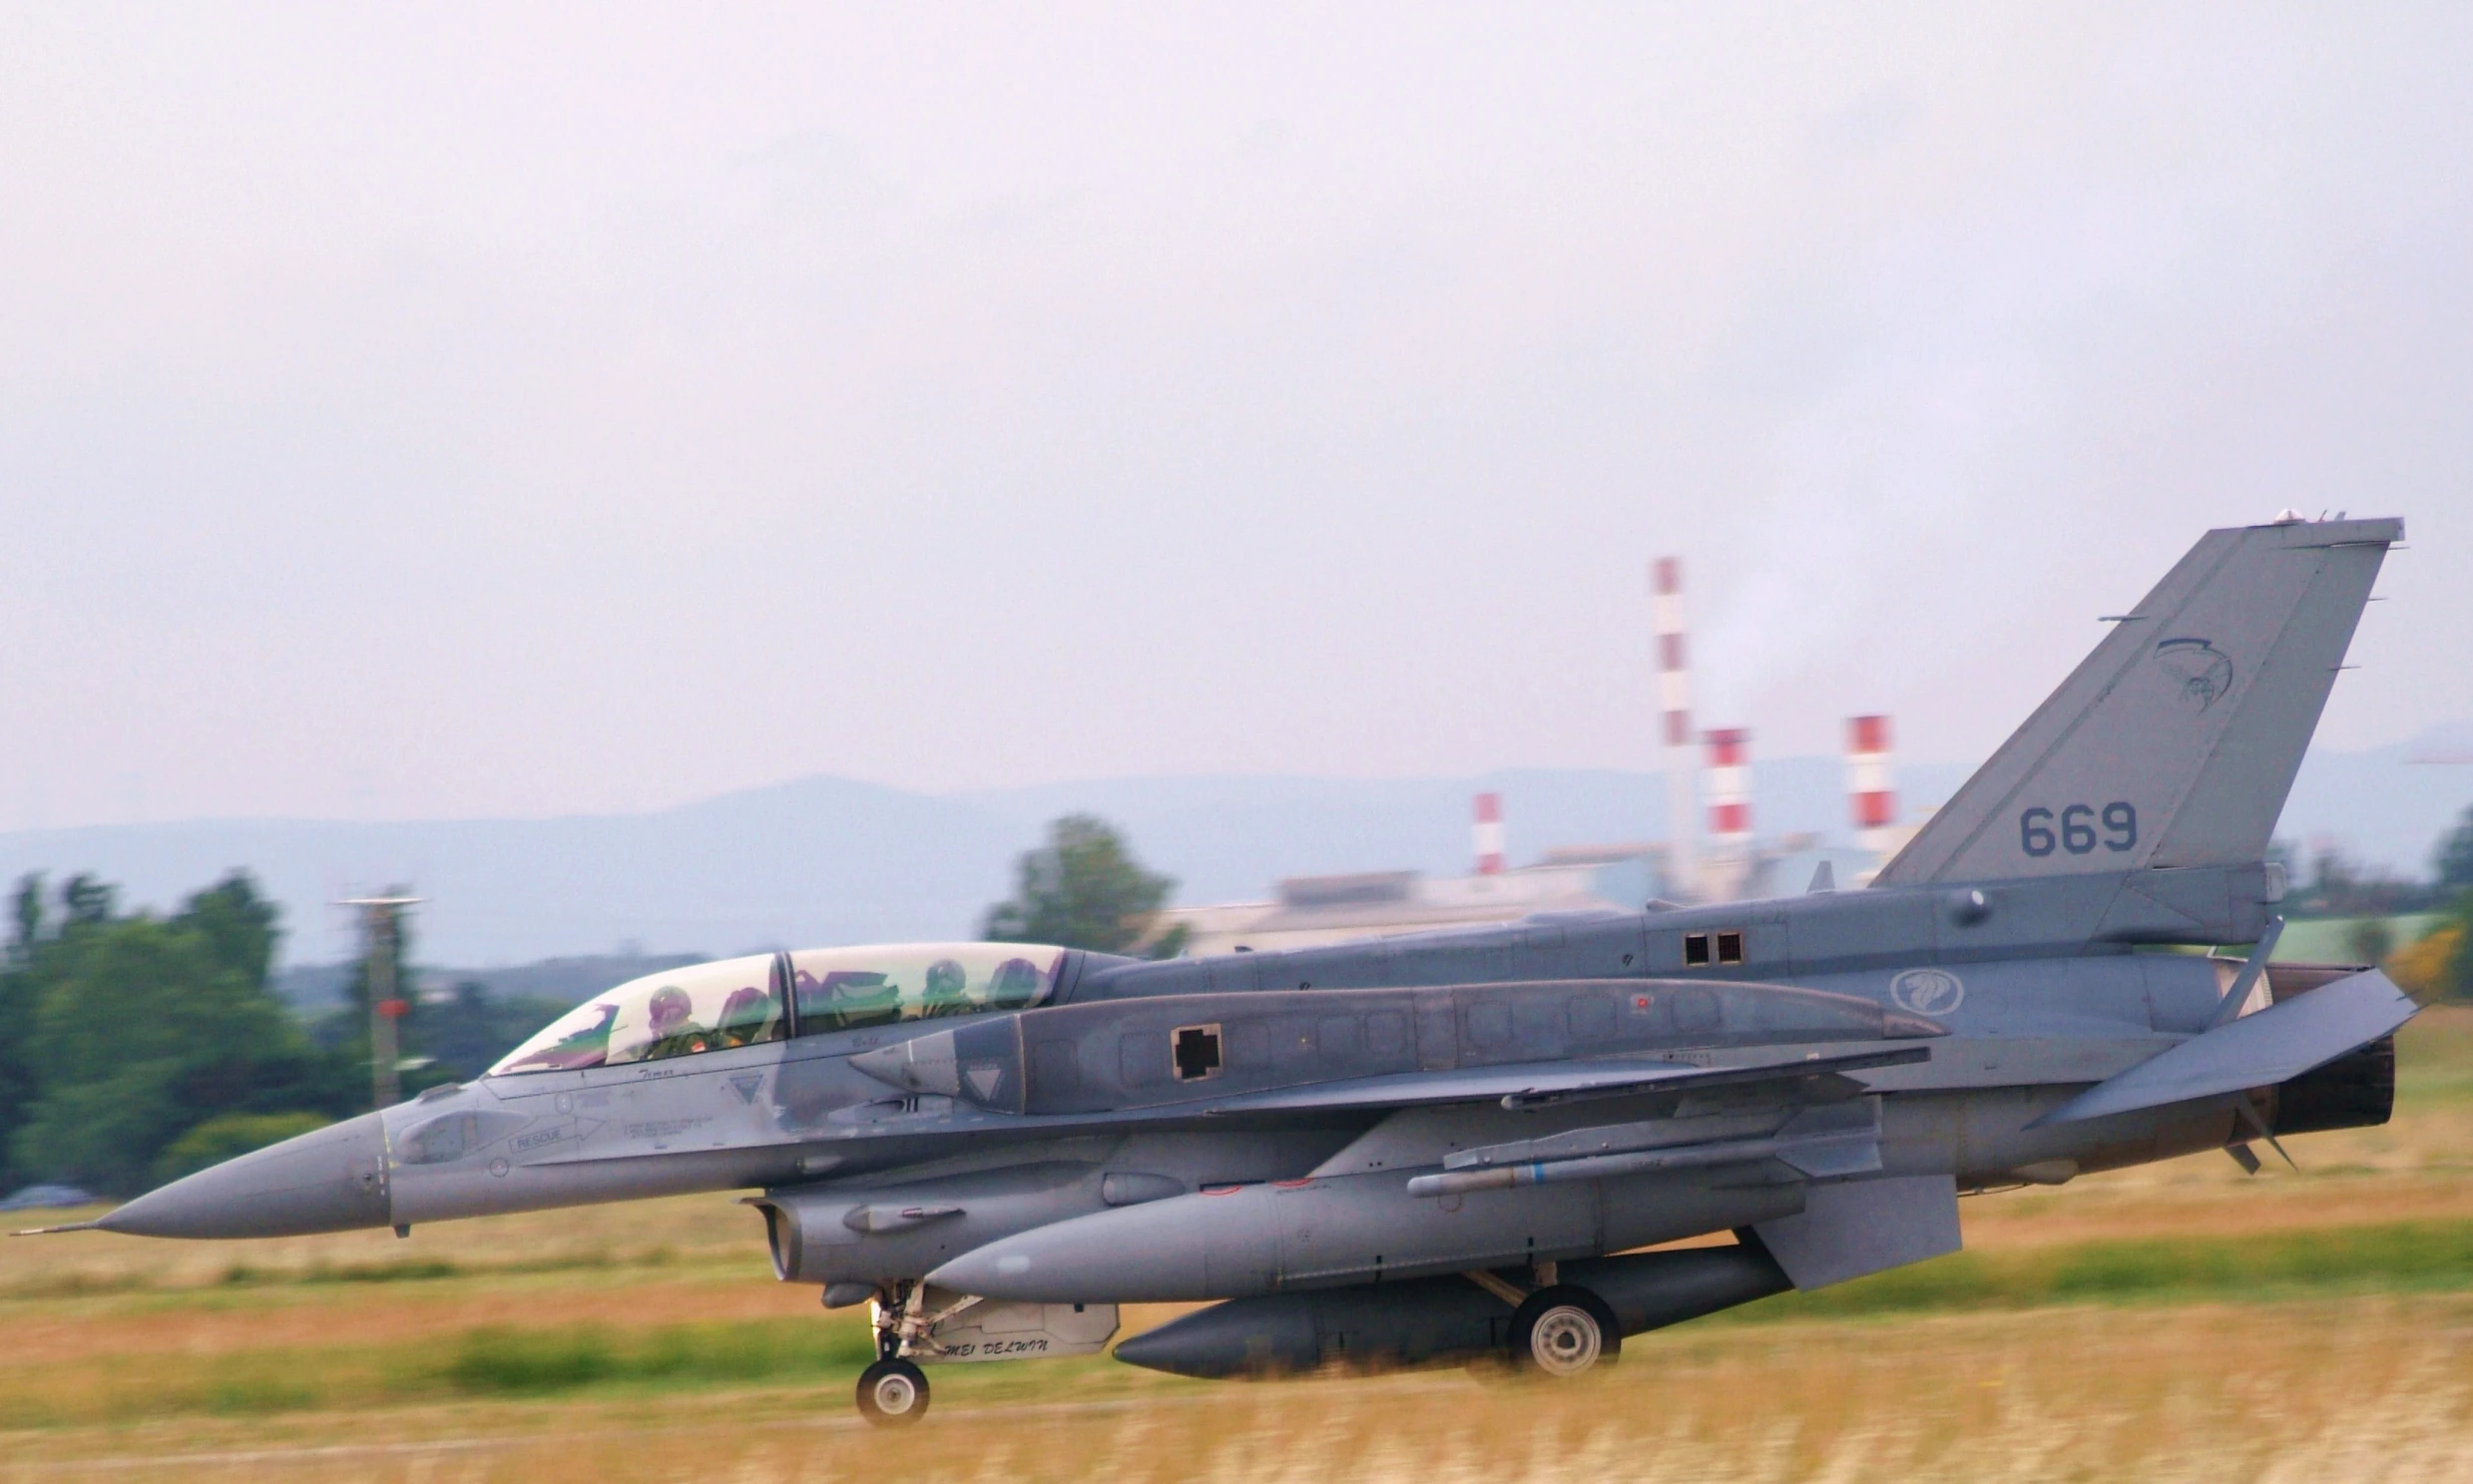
[(1459, 1147)]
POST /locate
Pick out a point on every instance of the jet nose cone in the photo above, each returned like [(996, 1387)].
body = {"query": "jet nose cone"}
[(329, 1179)]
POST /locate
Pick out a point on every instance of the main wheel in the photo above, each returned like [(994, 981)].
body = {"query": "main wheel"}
[(1563, 1331), (892, 1393)]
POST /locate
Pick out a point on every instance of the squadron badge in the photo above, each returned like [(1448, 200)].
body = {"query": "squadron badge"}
[(2201, 671), (1928, 991)]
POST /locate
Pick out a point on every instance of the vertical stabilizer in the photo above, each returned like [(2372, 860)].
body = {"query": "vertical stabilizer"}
[(2176, 741)]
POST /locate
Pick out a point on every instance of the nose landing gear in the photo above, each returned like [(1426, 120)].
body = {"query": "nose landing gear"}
[(892, 1393)]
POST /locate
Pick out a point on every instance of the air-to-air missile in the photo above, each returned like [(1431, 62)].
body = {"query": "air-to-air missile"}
[(1455, 1146)]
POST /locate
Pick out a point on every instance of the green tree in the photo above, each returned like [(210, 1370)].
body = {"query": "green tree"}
[(1085, 889), (2371, 940), (2459, 984), (138, 1029), (17, 1004), (238, 926), (84, 902), (2454, 856), (25, 916), (465, 1032)]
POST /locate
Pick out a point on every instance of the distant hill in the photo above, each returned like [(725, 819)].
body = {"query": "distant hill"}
[(1227, 839), (823, 860), (2388, 807), (819, 860)]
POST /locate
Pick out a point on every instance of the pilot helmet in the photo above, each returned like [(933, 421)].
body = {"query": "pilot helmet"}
[(670, 1009), (945, 979)]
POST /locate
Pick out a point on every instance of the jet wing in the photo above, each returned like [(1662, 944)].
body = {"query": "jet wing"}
[(1549, 1081), (2275, 1045)]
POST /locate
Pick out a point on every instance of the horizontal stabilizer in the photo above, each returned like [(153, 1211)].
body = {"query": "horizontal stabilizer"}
[(1534, 1083), (2275, 1045)]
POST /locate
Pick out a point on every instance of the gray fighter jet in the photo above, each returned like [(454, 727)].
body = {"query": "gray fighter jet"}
[(1454, 1145)]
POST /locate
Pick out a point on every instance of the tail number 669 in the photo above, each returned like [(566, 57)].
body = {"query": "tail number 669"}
[(2040, 831)]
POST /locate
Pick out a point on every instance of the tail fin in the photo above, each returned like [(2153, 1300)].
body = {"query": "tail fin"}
[(2176, 741)]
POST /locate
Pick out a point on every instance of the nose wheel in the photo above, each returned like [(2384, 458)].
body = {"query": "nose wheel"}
[(892, 1393), (1564, 1331)]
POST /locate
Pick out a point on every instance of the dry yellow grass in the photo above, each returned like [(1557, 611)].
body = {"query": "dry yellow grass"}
[(2363, 1391)]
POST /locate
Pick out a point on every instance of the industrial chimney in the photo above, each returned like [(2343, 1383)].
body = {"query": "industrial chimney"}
[(1729, 787), (1488, 835), (1873, 801), (1675, 725)]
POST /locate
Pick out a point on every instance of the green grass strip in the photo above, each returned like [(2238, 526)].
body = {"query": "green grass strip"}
[(506, 1361), (2400, 1257)]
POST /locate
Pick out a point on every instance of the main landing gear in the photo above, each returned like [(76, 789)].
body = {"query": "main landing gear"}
[(1563, 1330), (1557, 1329)]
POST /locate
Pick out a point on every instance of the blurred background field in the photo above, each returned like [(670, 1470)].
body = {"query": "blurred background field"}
[(2179, 1319)]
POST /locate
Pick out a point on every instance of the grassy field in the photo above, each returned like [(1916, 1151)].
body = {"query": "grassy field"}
[(2181, 1321)]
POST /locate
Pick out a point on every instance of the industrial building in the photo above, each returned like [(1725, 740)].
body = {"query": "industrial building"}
[(1709, 780), (1311, 910)]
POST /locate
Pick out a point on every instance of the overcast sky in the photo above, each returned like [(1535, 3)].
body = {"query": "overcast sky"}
[(450, 411)]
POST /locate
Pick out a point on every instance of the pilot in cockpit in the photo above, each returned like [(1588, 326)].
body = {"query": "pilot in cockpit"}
[(947, 991), (675, 1032), (745, 1015), (1016, 983)]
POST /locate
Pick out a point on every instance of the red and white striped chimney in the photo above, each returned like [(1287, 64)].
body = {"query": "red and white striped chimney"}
[(1674, 723), (1730, 785), (1488, 835), (1868, 792)]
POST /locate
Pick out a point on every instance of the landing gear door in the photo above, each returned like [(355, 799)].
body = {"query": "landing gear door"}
[(992, 1329)]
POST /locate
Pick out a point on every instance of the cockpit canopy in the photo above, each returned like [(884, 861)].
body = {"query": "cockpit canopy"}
[(773, 996)]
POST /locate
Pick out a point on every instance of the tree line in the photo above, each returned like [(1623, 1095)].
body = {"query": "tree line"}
[(2437, 961), (135, 1046)]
